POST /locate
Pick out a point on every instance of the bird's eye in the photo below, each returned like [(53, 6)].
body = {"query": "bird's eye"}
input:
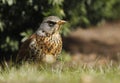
[(51, 23)]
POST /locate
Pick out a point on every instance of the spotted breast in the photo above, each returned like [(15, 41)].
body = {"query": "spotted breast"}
[(41, 47)]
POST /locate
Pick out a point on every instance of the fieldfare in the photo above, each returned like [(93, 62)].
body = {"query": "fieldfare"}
[(45, 44)]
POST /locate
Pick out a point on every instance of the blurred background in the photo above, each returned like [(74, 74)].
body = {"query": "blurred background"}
[(91, 34)]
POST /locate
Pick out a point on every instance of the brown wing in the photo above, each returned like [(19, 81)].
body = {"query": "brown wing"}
[(23, 53)]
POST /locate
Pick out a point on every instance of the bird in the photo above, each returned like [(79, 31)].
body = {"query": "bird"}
[(45, 44)]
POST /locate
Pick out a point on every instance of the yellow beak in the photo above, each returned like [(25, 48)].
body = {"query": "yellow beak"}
[(61, 22)]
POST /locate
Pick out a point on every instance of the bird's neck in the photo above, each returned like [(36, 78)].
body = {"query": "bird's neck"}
[(41, 33), (44, 34)]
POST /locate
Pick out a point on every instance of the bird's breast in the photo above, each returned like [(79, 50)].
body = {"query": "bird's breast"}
[(51, 45)]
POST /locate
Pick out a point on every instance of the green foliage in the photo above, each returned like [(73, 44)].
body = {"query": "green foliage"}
[(26, 34), (9, 43), (87, 12), (20, 18)]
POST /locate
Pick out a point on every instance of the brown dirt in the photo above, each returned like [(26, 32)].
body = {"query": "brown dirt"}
[(99, 44)]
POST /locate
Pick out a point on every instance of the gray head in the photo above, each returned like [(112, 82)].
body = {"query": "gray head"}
[(50, 25)]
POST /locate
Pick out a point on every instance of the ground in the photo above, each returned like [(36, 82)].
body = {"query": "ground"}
[(63, 71), (96, 44)]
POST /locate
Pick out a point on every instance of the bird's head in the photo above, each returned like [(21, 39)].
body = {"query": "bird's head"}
[(50, 25)]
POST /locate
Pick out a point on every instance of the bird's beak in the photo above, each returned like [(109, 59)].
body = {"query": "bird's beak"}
[(61, 22)]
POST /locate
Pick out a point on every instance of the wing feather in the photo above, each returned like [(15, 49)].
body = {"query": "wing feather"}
[(23, 53)]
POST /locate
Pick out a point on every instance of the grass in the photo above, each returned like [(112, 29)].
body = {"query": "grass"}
[(61, 72)]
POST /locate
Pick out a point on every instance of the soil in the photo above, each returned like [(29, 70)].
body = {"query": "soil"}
[(96, 44)]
